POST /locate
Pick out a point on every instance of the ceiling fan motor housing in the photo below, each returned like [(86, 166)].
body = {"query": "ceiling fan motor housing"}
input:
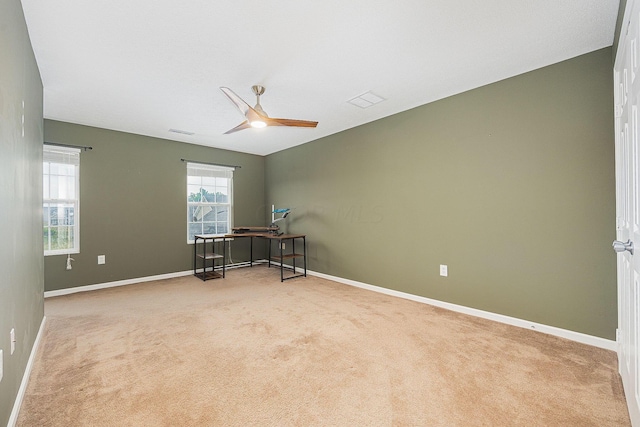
[(259, 90)]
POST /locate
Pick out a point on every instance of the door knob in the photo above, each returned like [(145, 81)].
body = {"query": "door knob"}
[(619, 246)]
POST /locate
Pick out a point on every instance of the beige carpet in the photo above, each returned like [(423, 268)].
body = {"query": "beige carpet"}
[(251, 351)]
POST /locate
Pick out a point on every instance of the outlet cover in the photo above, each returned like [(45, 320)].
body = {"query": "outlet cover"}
[(12, 335), (444, 270), (101, 259)]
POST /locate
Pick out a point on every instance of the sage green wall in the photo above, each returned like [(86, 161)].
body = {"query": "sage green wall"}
[(133, 204), (511, 185), (21, 264)]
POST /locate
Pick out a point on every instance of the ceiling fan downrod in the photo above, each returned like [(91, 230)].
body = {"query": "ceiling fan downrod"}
[(259, 90)]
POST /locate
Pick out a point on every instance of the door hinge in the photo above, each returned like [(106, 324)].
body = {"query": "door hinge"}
[(618, 111)]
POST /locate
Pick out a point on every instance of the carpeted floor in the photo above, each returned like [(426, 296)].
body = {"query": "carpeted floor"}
[(251, 351)]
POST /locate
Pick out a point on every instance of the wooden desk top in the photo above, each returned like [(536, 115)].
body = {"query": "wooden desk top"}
[(208, 236), (265, 232), (265, 235), (285, 236)]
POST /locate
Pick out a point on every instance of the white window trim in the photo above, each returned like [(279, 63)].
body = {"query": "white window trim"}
[(65, 151), (205, 166)]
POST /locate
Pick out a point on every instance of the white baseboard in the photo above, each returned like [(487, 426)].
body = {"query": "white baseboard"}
[(67, 291), (551, 330), (125, 282), (13, 418)]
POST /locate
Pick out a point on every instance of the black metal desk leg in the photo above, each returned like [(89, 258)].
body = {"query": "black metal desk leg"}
[(195, 253), (293, 248), (281, 263), (204, 259), (251, 252), (304, 257), (224, 255)]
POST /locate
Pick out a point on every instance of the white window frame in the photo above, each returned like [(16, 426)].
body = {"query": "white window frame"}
[(204, 172), (67, 156)]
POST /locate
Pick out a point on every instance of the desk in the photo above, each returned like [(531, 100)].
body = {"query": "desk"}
[(251, 232), (281, 256), (291, 255), (209, 254)]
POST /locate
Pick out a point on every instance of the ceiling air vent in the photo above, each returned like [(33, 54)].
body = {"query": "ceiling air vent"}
[(183, 132), (366, 100)]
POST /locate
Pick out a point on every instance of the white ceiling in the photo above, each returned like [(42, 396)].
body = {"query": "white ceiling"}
[(146, 66)]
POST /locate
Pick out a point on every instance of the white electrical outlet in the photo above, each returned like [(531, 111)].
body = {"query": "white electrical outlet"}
[(101, 259), (1, 365), (12, 335), (444, 271), (282, 245)]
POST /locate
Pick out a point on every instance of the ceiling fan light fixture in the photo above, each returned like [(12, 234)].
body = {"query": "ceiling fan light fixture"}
[(258, 124)]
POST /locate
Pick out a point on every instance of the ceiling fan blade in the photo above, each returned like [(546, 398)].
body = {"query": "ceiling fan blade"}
[(241, 126), (244, 108), (291, 122)]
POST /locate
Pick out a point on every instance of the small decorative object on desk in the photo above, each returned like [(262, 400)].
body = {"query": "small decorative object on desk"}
[(284, 212)]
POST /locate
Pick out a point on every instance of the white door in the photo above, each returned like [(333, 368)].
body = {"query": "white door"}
[(627, 102)]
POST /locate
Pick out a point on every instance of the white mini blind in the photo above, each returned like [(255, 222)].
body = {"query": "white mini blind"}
[(62, 155), (212, 171)]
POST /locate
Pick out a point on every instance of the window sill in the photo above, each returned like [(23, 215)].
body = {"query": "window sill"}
[(65, 252)]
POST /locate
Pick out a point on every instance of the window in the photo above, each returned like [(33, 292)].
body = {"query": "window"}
[(61, 200), (209, 200)]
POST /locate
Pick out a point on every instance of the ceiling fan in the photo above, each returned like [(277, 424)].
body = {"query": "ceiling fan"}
[(256, 116)]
